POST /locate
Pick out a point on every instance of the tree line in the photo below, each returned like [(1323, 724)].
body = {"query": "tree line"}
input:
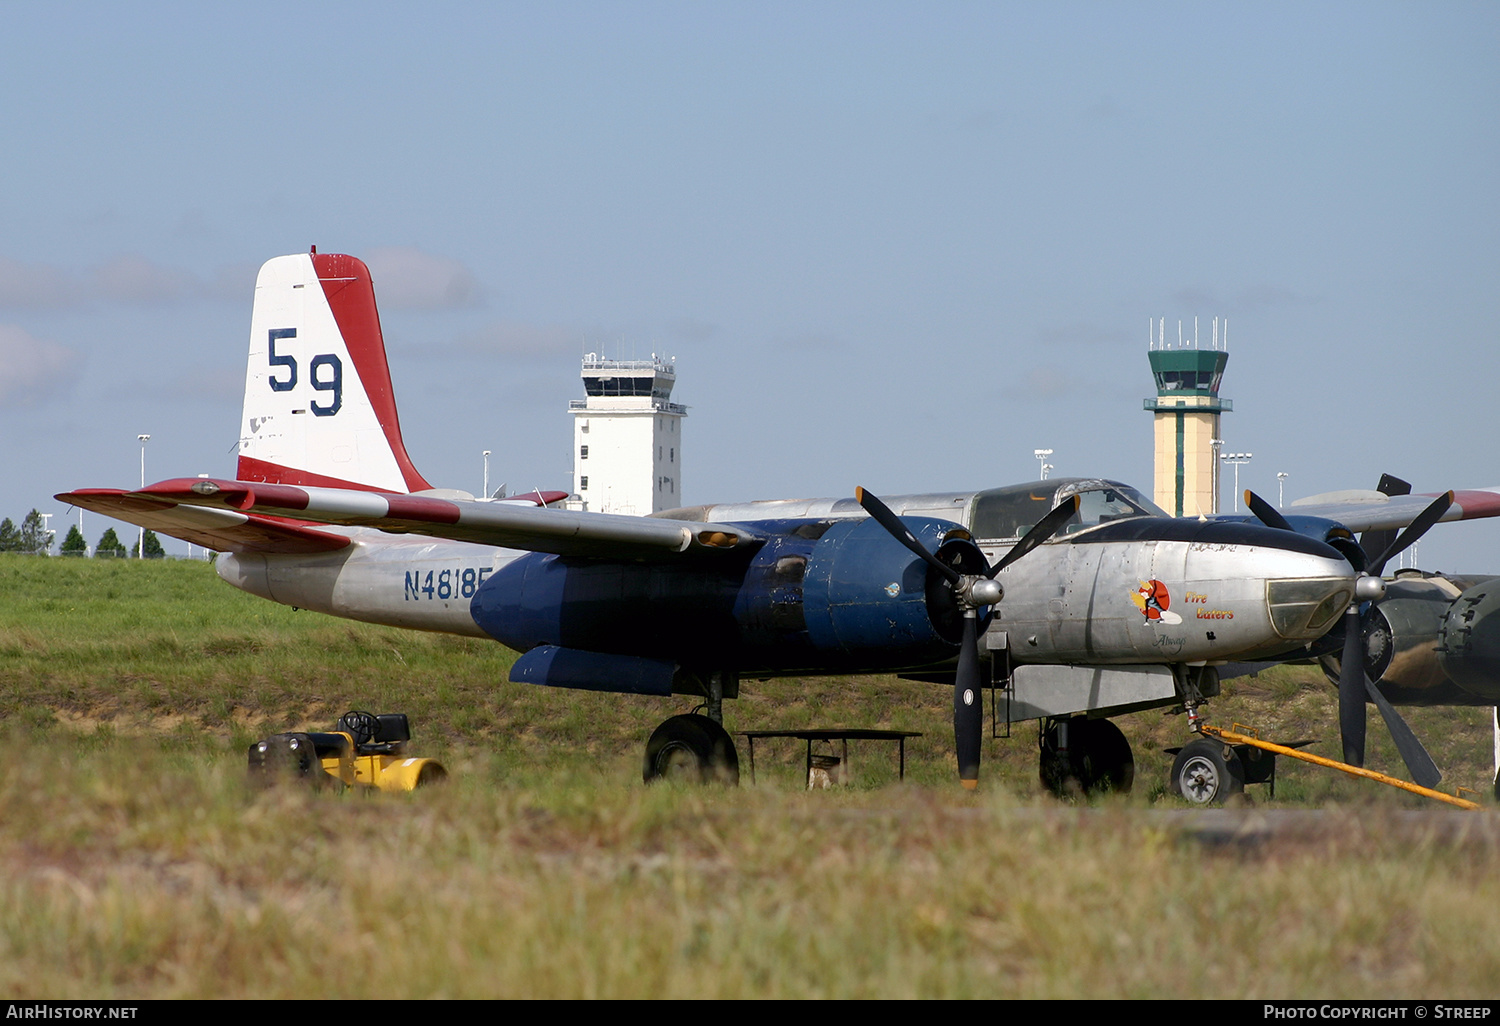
[(33, 539)]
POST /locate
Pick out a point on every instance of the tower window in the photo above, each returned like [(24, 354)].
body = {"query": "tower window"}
[(583, 452), (583, 483)]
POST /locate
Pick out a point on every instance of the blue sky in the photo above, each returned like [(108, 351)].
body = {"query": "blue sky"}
[(896, 245)]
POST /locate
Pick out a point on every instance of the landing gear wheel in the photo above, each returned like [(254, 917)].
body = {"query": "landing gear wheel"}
[(1207, 772), (692, 748), (1098, 758)]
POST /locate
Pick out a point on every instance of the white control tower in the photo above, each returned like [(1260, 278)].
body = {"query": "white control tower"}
[(627, 443)]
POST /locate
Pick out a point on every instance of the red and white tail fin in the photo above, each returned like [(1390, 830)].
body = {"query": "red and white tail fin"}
[(319, 409)]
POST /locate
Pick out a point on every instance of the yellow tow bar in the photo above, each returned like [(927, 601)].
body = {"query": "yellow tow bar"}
[(1236, 738)]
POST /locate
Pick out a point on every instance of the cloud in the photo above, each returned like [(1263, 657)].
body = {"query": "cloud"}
[(129, 279), (407, 278), (509, 338), (1041, 384), (220, 386), (32, 370), (34, 286), (134, 279), (233, 282)]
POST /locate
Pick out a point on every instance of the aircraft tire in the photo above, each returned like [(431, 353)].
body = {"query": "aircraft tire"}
[(691, 748), (1106, 763), (1099, 759), (1207, 772)]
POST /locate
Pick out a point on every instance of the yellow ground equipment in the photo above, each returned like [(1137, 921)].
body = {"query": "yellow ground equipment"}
[(1239, 736), (363, 750)]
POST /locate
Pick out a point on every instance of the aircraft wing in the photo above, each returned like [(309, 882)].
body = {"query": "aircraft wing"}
[(498, 524), (1376, 511)]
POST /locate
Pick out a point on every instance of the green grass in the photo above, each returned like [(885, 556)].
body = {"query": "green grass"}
[(136, 863)]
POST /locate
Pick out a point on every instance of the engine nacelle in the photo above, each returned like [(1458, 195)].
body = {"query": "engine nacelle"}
[(1468, 646), (818, 595), (1433, 641)]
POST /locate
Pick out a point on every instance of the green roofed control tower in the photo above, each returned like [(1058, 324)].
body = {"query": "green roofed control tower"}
[(1187, 408)]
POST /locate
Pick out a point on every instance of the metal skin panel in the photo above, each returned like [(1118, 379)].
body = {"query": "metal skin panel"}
[(1065, 690), (555, 667), (866, 597), (499, 523), (816, 596), (1374, 510), (953, 506), (397, 581)]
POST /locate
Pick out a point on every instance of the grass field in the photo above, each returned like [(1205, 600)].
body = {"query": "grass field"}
[(135, 862)]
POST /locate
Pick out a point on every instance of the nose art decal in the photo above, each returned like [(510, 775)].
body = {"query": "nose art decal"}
[(1155, 603)]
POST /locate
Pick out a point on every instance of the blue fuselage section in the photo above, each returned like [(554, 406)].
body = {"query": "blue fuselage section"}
[(818, 595)]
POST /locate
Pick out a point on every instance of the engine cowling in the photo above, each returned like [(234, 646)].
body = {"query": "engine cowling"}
[(1468, 646), (1433, 640)]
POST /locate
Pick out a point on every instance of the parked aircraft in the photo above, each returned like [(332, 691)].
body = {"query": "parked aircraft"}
[(1079, 598)]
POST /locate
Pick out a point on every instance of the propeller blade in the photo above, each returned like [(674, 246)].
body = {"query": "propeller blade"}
[(1265, 512), (968, 718), (882, 515), (1354, 684), (1352, 690), (1040, 531), (1423, 770), (1418, 527)]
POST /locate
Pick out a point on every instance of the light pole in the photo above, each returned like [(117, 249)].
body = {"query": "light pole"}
[(486, 493), (140, 552), (1041, 457), (46, 518), (1216, 444), (1234, 459), (1281, 477)]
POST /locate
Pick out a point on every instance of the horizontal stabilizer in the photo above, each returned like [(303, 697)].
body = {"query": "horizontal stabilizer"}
[(221, 530)]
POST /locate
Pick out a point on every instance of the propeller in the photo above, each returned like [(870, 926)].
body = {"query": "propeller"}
[(971, 591), (1354, 684)]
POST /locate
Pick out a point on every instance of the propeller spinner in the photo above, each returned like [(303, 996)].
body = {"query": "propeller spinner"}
[(972, 592)]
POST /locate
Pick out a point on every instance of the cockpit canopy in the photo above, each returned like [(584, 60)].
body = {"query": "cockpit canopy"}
[(1005, 513)]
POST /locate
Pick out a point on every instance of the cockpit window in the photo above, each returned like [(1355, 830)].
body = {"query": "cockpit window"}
[(1101, 505), (1011, 512)]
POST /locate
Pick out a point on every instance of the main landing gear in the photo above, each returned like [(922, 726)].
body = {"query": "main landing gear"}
[(1083, 756), (691, 748), (695, 747)]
